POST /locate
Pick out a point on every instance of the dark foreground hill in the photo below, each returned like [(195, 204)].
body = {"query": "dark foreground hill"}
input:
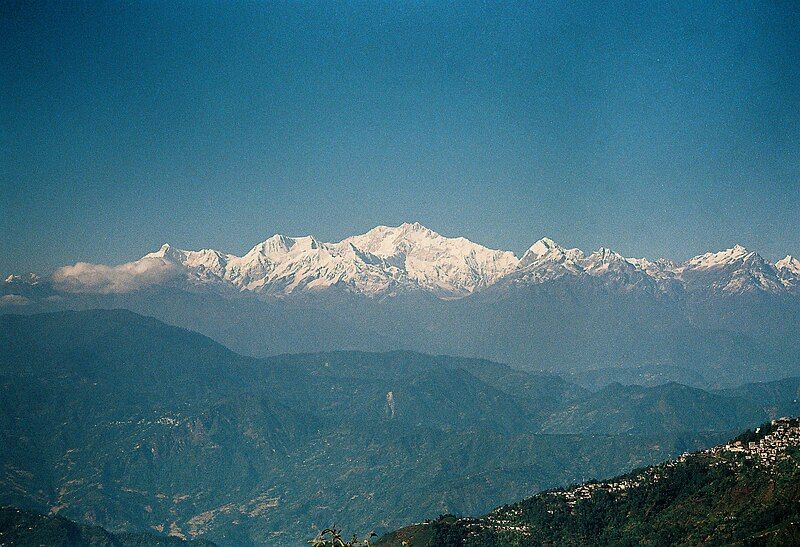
[(746, 492), (18, 527), (119, 420)]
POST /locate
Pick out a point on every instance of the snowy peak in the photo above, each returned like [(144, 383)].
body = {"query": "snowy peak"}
[(545, 261), (417, 228), (281, 244), (789, 264), (604, 255), (658, 269), (166, 251), (732, 271), (277, 244), (789, 272), (739, 250), (720, 259), (548, 251), (388, 241), (282, 265), (305, 243), (389, 260), (205, 258), (545, 247), (448, 267), (603, 259), (27, 279)]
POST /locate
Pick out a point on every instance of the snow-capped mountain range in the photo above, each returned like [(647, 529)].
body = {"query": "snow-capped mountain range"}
[(410, 257)]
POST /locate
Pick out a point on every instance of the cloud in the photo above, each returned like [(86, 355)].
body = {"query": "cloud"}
[(84, 277), (13, 300)]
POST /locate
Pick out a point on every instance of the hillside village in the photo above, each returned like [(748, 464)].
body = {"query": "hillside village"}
[(765, 452), (765, 447), (769, 448)]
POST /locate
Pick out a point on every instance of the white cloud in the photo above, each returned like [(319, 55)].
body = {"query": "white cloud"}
[(84, 277)]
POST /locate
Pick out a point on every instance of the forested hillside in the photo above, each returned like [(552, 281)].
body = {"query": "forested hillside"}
[(746, 492)]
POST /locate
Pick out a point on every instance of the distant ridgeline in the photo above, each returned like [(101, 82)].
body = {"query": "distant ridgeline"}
[(714, 321), (746, 491)]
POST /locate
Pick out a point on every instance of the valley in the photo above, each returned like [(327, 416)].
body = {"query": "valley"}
[(699, 497), (136, 425)]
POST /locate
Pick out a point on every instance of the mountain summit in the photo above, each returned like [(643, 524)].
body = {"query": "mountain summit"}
[(389, 260)]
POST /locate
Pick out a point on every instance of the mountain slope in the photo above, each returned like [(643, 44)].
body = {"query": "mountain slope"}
[(120, 420), (744, 492), (18, 527), (668, 407), (449, 267), (778, 398), (582, 326)]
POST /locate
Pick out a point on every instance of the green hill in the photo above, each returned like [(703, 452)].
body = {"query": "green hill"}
[(746, 492)]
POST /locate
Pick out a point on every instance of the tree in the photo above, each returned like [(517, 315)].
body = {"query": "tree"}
[(332, 537)]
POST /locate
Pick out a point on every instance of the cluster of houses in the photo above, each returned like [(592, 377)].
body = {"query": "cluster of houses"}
[(503, 519), (585, 491), (769, 448)]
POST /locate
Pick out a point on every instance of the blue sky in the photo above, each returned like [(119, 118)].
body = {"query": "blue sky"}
[(656, 129)]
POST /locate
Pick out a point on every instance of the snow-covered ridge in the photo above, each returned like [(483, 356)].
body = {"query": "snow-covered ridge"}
[(29, 278), (790, 265), (389, 260)]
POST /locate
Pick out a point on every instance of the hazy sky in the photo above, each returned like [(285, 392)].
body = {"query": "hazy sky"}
[(656, 130)]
